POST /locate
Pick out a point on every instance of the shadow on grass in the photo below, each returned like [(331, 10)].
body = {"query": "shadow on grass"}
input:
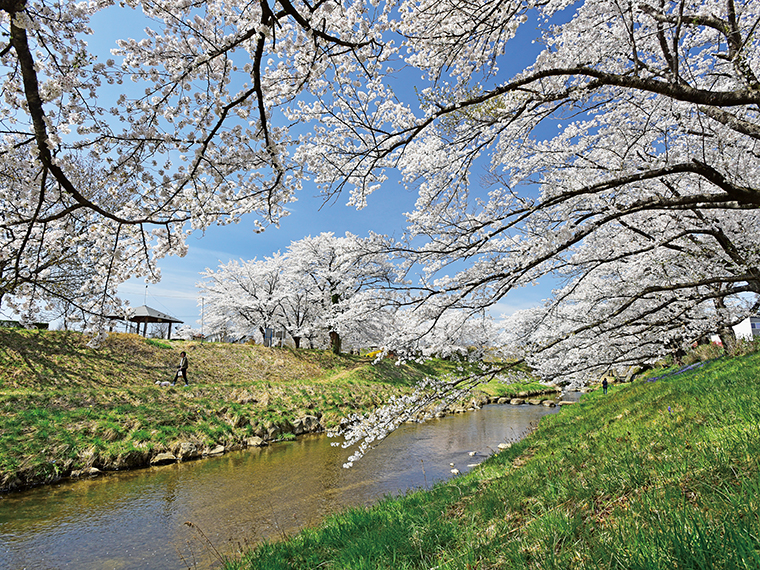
[(44, 359)]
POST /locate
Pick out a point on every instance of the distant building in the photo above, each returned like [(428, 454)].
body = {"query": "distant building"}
[(10, 324), (749, 328)]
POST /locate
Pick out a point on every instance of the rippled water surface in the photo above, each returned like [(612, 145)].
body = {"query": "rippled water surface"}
[(138, 519)]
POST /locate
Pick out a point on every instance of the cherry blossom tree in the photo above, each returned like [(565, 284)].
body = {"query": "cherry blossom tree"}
[(321, 286), (637, 118), (623, 159), (182, 123), (186, 332), (337, 270), (631, 110), (634, 297), (244, 296), (248, 297), (298, 307), (56, 263)]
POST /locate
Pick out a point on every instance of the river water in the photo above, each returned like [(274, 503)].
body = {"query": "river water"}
[(139, 519)]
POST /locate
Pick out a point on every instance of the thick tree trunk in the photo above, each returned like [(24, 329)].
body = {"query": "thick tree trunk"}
[(297, 341), (725, 333), (727, 338), (335, 342)]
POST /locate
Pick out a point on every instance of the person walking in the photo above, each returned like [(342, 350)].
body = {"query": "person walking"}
[(604, 385), (182, 366)]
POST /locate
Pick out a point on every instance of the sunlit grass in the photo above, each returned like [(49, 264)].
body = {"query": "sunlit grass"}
[(62, 401), (654, 475)]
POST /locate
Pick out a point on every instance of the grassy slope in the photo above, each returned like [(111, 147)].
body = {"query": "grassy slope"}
[(64, 406), (662, 474)]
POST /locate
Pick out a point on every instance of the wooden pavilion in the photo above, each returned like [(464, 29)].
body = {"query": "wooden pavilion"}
[(144, 315)]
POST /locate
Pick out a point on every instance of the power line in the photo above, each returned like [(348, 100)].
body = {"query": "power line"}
[(186, 296)]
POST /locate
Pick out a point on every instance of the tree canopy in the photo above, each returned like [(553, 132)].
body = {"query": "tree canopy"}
[(323, 288), (623, 159)]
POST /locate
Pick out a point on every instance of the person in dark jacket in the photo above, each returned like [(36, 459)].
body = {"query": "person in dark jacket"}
[(604, 385), (182, 366)]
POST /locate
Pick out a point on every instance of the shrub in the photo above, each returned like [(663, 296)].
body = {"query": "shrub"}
[(744, 346), (704, 352)]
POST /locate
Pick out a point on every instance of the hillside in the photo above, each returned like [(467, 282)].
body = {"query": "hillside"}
[(658, 474), (68, 409)]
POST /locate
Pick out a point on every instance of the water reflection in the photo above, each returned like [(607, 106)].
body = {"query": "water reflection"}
[(137, 519)]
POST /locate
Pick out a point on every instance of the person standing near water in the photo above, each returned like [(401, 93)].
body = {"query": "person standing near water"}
[(182, 366)]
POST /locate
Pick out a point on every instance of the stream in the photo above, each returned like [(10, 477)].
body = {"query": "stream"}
[(139, 519)]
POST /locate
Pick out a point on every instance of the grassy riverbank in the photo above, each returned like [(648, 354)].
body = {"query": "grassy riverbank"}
[(66, 408), (656, 474)]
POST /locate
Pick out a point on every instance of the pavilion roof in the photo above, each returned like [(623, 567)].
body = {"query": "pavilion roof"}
[(146, 314)]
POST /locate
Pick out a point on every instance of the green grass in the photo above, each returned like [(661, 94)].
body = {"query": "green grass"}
[(66, 407), (655, 475)]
